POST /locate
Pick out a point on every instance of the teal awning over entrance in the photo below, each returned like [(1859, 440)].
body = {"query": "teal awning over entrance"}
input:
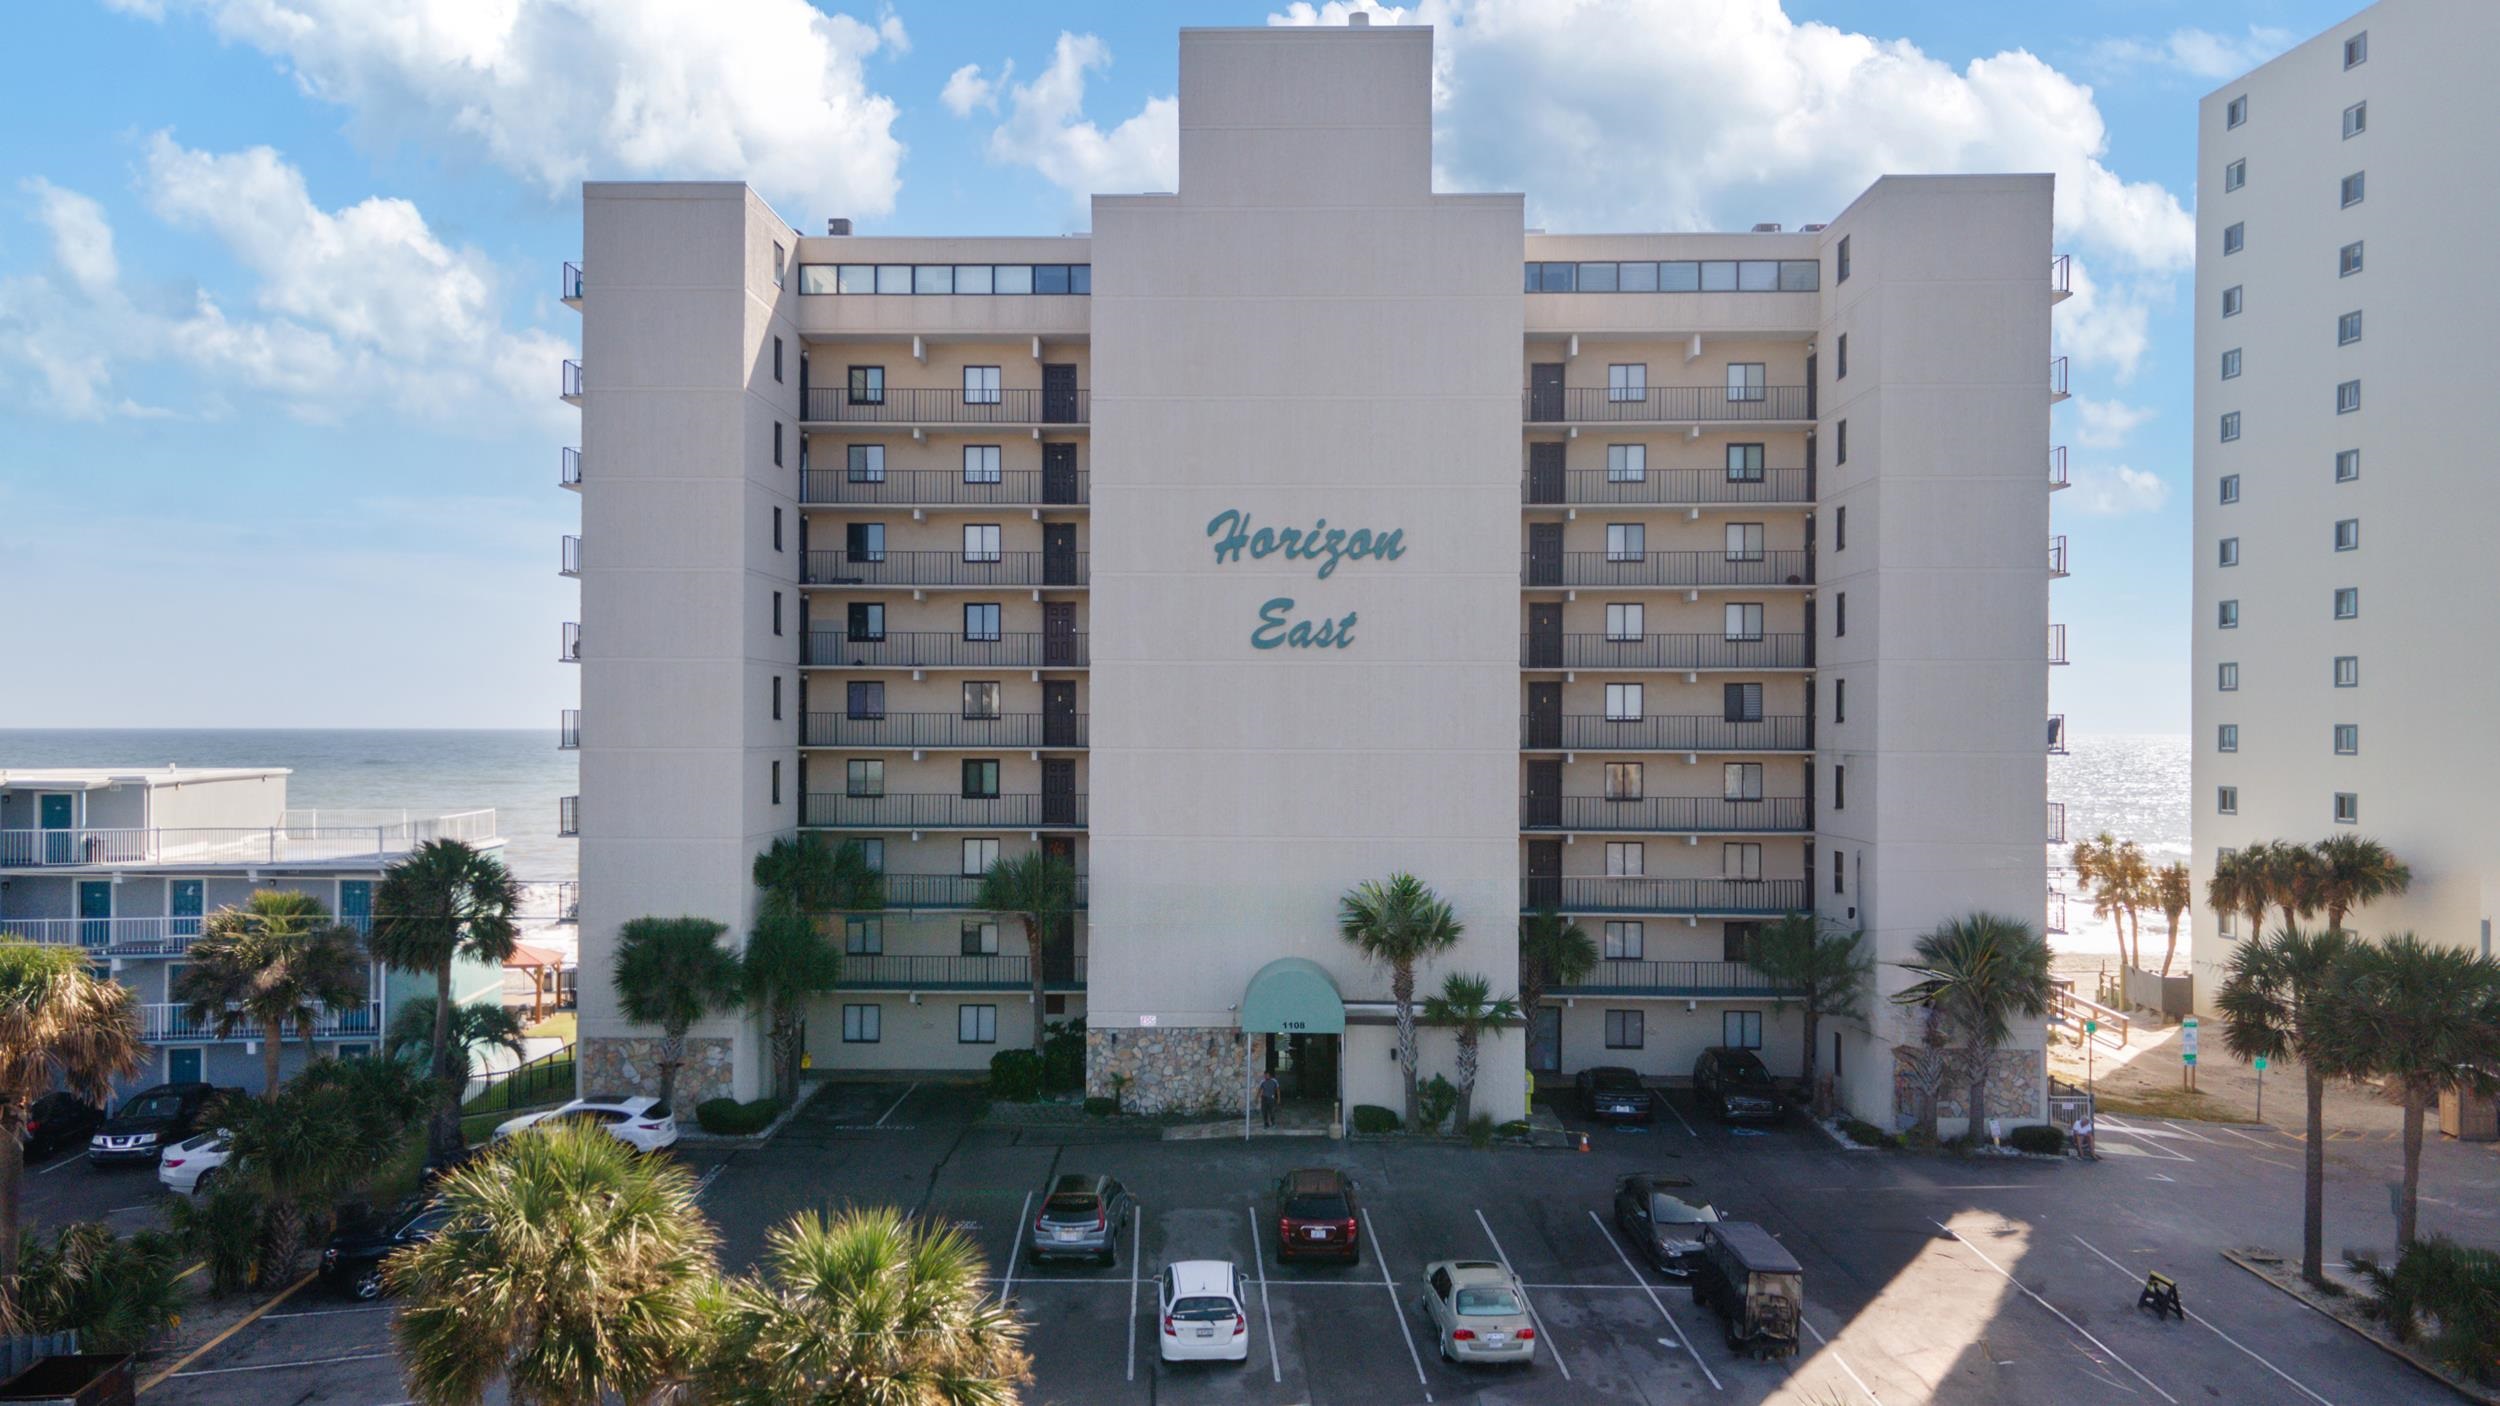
[(1292, 996)]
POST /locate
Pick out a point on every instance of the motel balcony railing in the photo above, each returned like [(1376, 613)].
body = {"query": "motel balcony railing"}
[(1001, 972), (570, 284), (2056, 917), (568, 815), (947, 488), (1670, 488), (568, 729), (1590, 732), (2057, 555), (157, 936), (2057, 644), (1668, 405), (168, 1021), (1668, 569), (2057, 823), (569, 643), (1706, 815), (290, 843), (2057, 468), (944, 568), (569, 556), (1770, 651), (1606, 894), (569, 468), (940, 892), (944, 649), (572, 383), (943, 730), (1621, 978), (2057, 734), (945, 811), (907, 406)]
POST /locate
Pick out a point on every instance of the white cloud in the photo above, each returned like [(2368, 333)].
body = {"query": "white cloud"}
[(2114, 491), (2107, 326), (773, 92), (82, 239), (2106, 424), (1047, 130), (966, 89), (2196, 53)]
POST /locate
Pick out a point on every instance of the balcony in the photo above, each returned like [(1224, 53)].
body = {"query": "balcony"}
[(569, 730), (122, 937), (1674, 898), (999, 972), (569, 556), (1048, 570), (1677, 815), (2057, 734), (2061, 278), (947, 488), (306, 843), (2057, 644), (1664, 405), (572, 392), (569, 471), (1594, 732), (2057, 468), (2057, 379), (569, 291), (2056, 918), (1668, 488), (945, 892), (945, 649), (1685, 979), (2057, 823), (568, 815), (1687, 653), (1664, 570), (941, 731), (2057, 556), (569, 644), (917, 408), (831, 810), (168, 1021)]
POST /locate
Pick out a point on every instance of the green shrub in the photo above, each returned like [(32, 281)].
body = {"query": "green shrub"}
[(726, 1117), (1516, 1127), (1102, 1107), (1016, 1076), (2038, 1137), (1063, 1056), (1434, 1103), (221, 1229), (2444, 1296), (118, 1295), (1866, 1134), (1374, 1119), (1480, 1131)]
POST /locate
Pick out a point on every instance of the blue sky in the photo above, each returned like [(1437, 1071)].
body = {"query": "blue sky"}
[(278, 321)]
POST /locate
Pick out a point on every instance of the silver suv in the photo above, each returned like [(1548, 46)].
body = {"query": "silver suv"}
[(1082, 1215)]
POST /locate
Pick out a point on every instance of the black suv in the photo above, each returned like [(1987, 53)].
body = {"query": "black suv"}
[(150, 1121), (1611, 1092), (352, 1265), (1733, 1084), (57, 1120)]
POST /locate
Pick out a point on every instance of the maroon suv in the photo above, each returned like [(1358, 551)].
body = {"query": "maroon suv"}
[(1316, 1216)]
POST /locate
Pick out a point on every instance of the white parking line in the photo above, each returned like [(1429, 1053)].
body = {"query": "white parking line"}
[(2053, 1308), (2246, 1137), (1136, 1253), (1380, 1256), (711, 1174), (47, 1171), (1657, 1303), (328, 1312), (1661, 1096), (1552, 1348), (2186, 1132), (898, 1103), (1826, 1345), (281, 1366), (1275, 1362), (2217, 1332), (1014, 1248)]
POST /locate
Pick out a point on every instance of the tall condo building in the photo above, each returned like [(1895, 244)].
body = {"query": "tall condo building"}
[(2341, 532), (1297, 528)]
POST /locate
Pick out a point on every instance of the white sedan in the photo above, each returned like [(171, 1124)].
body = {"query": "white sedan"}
[(641, 1122), (189, 1167), (1199, 1305)]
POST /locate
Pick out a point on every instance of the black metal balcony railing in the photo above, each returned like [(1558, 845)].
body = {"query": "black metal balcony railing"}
[(1595, 894), (1673, 569), (948, 488), (568, 815), (2057, 555), (569, 729), (2057, 467), (1663, 404), (572, 282), (2057, 823), (569, 644), (1662, 487), (943, 811), (569, 559), (1782, 651), (572, 381), (999, 972), (1594, 732), (1707, 815), (901, 406), (2057, 378), (2061, 275), (943, 649), (569, 472), (1008, 730), (2057, 734), (2057, 644), (1620, 978), (940, 568), (960, 892)]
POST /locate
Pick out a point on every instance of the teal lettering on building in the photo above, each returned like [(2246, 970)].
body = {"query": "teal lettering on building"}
[(1237, 539)]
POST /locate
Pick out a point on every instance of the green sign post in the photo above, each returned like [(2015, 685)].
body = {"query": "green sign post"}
[(2261, 1088), (2187, 1052)]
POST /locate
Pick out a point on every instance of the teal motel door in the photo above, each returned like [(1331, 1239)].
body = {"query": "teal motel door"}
[(356, 904), (57, 819), (95, 912), (182, 1066), (189, 899)]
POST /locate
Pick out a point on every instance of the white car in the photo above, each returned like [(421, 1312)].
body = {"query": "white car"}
[(641, 1122), (189, 1167), (1199, 1305)]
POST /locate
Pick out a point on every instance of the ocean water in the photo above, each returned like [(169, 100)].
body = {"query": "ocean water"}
[(520, 773), (2135, 786)]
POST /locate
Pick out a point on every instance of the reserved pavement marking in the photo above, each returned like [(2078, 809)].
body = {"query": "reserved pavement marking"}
[(898, 1103), (231, 1329), (1136, 1254), (1275, 1362), (1659, 1304), (1964, 1241), (1826, 1344), (282, 1366), (2148, 1137), (1014, 1248), (2217, 1332), (1380, 1256), (2188, 1132), (1552, 1348)]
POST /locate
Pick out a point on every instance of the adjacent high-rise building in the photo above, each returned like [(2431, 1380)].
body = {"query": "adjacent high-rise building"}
[(1294, 529), (2343, 576)]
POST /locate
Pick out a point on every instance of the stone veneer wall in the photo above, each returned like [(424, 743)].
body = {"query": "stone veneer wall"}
[(2017, 1088), (1185, 1069), (630, 1064)]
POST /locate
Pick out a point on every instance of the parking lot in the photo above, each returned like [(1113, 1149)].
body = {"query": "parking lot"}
[(1928, 1279)]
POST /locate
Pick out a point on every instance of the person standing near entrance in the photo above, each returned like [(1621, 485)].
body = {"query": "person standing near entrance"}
[(1269, 1092)]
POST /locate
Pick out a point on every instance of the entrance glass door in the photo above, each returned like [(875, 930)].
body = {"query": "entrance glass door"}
[(1545, 1041)]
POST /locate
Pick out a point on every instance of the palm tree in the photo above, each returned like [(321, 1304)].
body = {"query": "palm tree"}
[(2173, 892), (788, 959), (570, 1269), (324, 1134), (2130, 882), (2293, 876), (2274, 1003), (804, 875), (672, 972), (2087, 857), (1396, 923), (2238, 885), (275, 961), (1822, 969), (60, 1027), (1981, 972), (2424, 1019), (117, 1294), (474, 1026), (1467, 1006), (2353, 871), (446, 902), (1039, 889), (869, 1306), (2456, 1287), (1553, 951)]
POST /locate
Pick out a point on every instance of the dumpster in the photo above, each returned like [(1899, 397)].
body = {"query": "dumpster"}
[(76, 1379), (1755, 1286)]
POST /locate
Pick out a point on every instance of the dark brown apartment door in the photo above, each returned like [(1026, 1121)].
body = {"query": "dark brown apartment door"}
[(1545, 391), (1544, 879), (1059, 398), (1545, 553), (1059, 803), (1813, 396), (1545, 472), (1059, 649), (1544, 715), (1059, 725), (1059, 474), (1059, 554), (1542, 807), (1545, 635)]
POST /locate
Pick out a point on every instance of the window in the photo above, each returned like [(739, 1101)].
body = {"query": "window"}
[(1623, 702), (867, 621), (2227, 737), (867, 385), (2357, 50), (1744, 621), (2356, 120), (860, 1024), (2230, 488), (1740, 702), (980, 698), (2231, 301), (1623, 942), (867, 463), (2347, 808), (1840, 361), (2347, 602), (2235, 175), (2229, 615), (2231, 364), (872, 850), (1627, 463), (863, 541), (2235, 112), (2353, 188), (981, 542), (1627, 381), (1623, 622), (1840, 787), (1625, 859), (1740, 860), (2226, 800), (976, 1025), (776, 361), (1623, 1030), (2227, 677), (2348, 329), (980, 385), (2347, 397), (980, 938), (817, 280), (776, 775), (2348, 260), (1736, 941), (1744, 463), (1840, 614), (1744, 541), (2347, 465), (2347, 739), (1597, 278), (778, 255), (933, 278), (1840, 261), (863, 935), (1741, 781), (865, 777), (1741, 1029), (1840, 528), (981, 622), (980, 779), (2234, 238), (2348, 671), (777, 427), (2230, 426), (1839, 874), (1840, 700), (1623, 781), (1745, 380), (776, 698), (1840, 445), (981, 463), (2348, 535), (978, 856), (865, 699), (1626, 541), (776, 612), (777, 529)]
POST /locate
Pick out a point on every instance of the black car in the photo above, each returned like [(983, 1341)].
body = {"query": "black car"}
[(150, 1121), (1733, 1084), (352, 1264), (57, 1120), (1611, 1092), (1664, 1227)]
